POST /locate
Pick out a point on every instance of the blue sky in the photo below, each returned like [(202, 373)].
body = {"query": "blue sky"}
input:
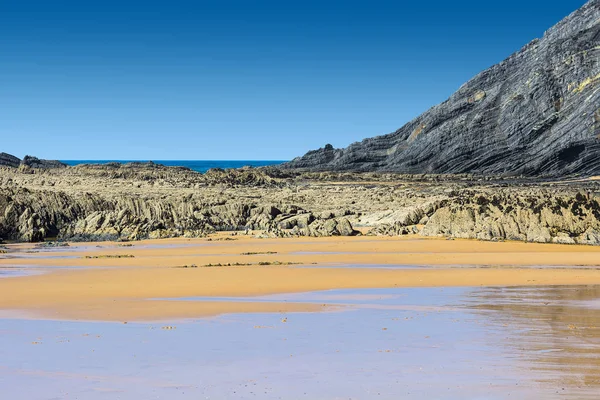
[(239, 79)]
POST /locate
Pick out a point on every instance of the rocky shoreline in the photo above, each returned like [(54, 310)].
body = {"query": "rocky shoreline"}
[(145, 200)]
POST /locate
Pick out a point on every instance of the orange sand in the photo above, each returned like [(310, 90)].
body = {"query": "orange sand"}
[(121, 293)]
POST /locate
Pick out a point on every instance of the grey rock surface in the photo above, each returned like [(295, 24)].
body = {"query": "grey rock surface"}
[(34, 162), (8, 160), (537, 113)]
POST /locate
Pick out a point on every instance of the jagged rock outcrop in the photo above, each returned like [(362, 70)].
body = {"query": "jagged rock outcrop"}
[(34, 162), (32, 216), (410, 222), (534, 216), (536, 113), (152, 174), (8, 160), (137, 201)]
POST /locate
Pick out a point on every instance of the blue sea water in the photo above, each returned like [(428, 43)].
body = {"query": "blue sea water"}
[(196, 165)]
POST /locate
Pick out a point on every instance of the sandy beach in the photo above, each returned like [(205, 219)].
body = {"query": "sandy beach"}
[(137, 288), (300, 200)]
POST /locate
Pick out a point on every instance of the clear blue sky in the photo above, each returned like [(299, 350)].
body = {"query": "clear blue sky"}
[(239, 79)]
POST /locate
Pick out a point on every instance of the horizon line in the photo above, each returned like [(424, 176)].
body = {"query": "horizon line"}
[(156, 159)]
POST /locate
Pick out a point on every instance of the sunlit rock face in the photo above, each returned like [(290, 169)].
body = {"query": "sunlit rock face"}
[(537, 113)]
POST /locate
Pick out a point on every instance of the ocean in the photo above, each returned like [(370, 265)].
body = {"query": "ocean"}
[(196, 165)]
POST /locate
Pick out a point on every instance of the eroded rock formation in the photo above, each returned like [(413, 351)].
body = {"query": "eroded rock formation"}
[(530, 215), (536, 113), (145, 200)]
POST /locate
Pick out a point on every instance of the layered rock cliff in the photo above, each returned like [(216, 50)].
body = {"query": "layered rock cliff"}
[(536, 113), (8, 160)]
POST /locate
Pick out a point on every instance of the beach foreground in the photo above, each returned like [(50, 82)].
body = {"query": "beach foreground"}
[(137, 281), (234, 316)]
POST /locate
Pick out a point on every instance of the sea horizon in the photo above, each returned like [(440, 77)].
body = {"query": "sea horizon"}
[(195, 165)]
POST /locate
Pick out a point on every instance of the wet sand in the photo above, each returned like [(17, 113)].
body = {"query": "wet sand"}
[(125, 289), (409, 343), (355, 318), (406, 250)]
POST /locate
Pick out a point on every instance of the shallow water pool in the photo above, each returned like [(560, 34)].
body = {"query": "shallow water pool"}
[(442, 343)]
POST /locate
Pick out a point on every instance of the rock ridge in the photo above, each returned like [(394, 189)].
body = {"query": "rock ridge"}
[(537, 113), (146, 200)]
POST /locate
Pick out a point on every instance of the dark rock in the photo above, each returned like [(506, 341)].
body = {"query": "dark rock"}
[(536, 113), (9, 160), (46, 245), (28, 162), (34, 162)]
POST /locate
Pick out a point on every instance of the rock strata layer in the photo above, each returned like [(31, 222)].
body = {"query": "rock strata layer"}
[(528, 215), (9, 160), (146, 200), (537, 113)]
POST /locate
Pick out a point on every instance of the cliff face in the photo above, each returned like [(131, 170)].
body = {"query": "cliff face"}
[(536, 113)]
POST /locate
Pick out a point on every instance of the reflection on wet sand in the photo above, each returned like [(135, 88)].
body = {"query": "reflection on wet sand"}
[(450, 325), (22, 270), (553, 329), (409, 343), (13, 272)]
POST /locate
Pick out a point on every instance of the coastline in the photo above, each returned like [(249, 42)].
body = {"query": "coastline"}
[(131, 202)]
